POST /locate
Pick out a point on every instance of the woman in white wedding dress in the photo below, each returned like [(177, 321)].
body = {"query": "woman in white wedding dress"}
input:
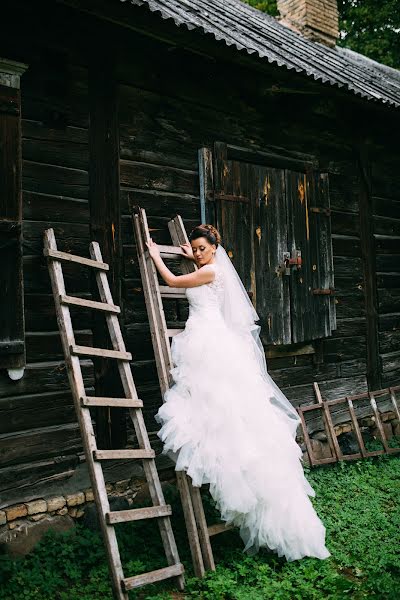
[(224, 418)]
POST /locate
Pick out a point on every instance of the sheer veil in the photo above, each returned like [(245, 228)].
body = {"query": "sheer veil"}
[(240, 315)]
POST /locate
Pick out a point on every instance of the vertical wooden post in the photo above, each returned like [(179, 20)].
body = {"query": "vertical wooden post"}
[(12, 342), (368, 253), (105, 222)]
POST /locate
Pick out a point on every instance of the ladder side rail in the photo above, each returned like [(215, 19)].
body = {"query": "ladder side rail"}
[(162, 351), (165, 348), (179, 236), (136, 415), (84, 417), (155, 309)]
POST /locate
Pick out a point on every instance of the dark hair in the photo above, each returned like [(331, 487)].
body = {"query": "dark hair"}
[(207, 231)]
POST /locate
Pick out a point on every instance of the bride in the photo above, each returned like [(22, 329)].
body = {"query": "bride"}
[(224, 418)]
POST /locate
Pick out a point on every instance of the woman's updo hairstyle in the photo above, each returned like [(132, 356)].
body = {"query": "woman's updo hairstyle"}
[(206, 231)]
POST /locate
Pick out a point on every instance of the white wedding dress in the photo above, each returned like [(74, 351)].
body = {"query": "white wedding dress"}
[(223, 423)]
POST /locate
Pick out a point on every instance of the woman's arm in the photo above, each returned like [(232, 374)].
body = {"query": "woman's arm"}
[(199, 277)]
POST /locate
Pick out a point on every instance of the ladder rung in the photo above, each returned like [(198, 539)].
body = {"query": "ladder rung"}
[(170, 292), (89, 351), (219, 528), (112, 402), (74, 301), (88, 262), (136, 514), (171, 251), (172, 332), (131, 583), (138, 453)]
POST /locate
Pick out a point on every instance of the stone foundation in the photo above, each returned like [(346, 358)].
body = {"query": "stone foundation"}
[(22, 525)]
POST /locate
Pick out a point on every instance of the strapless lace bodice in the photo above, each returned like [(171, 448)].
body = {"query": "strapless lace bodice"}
[(206, 300)]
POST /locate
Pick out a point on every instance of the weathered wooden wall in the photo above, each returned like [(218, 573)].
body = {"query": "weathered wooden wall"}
[(39, 436), (171, 102), (163, 122)]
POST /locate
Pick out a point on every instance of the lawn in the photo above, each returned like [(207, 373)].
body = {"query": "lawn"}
[(359, 503)]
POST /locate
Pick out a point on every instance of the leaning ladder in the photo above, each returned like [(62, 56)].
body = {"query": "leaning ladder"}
[(199, 532), (83, 403)]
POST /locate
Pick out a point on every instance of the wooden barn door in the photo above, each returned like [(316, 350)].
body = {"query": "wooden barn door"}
[(270, 218)]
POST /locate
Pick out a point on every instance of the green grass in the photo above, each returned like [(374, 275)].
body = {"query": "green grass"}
[(358, 503)]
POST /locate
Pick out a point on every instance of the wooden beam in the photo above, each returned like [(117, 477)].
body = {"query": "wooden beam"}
[(104, 206), (12, 323), (368, 255)]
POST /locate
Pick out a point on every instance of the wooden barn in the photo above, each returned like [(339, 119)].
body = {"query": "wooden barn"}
[(214, 111)]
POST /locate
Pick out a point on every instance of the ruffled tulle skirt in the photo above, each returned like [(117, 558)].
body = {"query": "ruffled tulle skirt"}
[(220, 423)]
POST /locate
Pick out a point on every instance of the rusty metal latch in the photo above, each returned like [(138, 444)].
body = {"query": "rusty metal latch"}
[(290, 261)]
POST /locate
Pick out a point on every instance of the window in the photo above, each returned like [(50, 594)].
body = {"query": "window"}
[(275, 225)]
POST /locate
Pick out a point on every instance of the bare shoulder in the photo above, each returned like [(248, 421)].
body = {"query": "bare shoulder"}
[(207, 272)]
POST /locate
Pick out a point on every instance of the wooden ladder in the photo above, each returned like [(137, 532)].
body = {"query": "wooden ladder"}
[(72, 353), (199, 532)]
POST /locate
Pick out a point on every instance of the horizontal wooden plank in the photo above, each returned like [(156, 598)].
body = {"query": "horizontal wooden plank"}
[(11, 347), (388, 280), (386, 226), (40, 314), (103, 352), (131, 583), (390, 361), (388, 262), (47, 207), (330, 389), (43, 377), (37, 280), (386, 207), (111, 402), (160, 203), (346, 245), (158, 227), (76, 301), (219, 528), (171, 292), (133, 454), (65, 256), (148, 176), (31, 411), (72, 238), (389, 341), (389, 322), (137, 514), (54, 180), (46, 345), (62, 153), (34, 444), (31, 479), (386, 244), (41, 131), (348, 266), (172, 332), (388, 300), (345, 223), (174, 250)]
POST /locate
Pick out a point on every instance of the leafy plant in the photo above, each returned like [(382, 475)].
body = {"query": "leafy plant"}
[(358, 503)]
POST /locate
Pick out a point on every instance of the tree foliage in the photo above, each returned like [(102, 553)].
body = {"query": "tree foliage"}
[(267, 6), (369, 27), (372, 28)]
